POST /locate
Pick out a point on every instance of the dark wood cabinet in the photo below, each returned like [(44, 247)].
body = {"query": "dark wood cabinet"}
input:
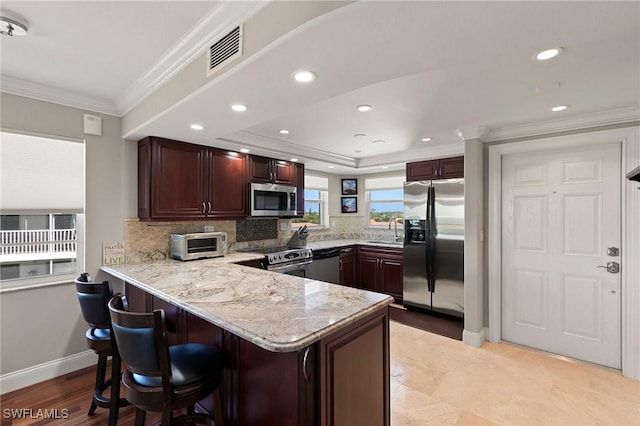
[(341, 379), (178, 180), (444, 168), (380, 269), (348, 266), (299, 184), (269, 170)]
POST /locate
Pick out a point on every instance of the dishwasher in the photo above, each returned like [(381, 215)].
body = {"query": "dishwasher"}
[(325, 265)]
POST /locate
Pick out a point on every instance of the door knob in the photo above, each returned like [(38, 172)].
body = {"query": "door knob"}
[(612, 267)]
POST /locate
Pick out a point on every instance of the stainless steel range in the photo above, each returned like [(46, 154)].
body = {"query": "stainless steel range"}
[(286, 260)]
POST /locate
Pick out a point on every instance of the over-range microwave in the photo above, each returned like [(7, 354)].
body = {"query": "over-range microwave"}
[(198, 245), (267, 199)]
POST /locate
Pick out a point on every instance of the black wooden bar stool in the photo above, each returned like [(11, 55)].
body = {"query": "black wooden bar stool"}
[(159, 377), (93, 298)]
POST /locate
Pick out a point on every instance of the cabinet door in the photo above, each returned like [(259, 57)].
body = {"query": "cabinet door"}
[(227, 185), (268, 170), (348, 266), (422, 170), (259, 169), (283, 172), (391, 276), (269, 388), (178, 180), (451, 168), (368, 267)]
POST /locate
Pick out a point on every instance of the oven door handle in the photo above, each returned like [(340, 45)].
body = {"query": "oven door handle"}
[(289, 267)]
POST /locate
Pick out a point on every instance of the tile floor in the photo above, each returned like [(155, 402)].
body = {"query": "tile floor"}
[(436, 380)]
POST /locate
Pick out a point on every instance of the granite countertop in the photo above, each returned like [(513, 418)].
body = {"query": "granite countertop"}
[(278, 312)]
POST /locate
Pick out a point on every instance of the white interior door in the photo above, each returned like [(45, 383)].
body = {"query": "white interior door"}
[(560, 215)]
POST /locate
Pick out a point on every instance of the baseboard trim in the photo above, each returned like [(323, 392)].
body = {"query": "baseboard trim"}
[(48, 370), (474, 339)]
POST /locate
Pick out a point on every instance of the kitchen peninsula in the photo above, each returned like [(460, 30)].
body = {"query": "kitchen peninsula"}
[(299, 351)]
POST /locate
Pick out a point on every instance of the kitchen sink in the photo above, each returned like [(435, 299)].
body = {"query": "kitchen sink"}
[(395, 243)]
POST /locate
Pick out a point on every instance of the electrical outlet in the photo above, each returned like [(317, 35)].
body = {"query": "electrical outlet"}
[(208, 228)]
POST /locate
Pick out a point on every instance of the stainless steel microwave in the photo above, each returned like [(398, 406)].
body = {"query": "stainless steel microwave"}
[(267, 199), (198, 245)]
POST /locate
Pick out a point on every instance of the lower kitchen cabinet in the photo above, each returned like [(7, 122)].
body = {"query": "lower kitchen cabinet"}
[(348, 266), (343, 379), (380, 269)]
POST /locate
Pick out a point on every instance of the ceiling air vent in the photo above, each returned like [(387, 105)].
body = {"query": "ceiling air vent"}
[(225, 50)]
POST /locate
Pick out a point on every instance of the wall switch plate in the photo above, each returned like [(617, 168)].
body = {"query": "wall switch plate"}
[(208, 228)]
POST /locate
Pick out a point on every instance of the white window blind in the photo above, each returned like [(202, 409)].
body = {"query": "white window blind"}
[(386, 182), (316, 182), (41, 174)]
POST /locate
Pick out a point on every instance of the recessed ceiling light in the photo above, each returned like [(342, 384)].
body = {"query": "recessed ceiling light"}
[(244, 150), (378, 141), (559, 108), (385, 167), (364, 108), (331, 167), (426, 139), (549, 53), (239, 107), (197, 126), (359, 135), (304, 76), (294, 160), (284, 132)]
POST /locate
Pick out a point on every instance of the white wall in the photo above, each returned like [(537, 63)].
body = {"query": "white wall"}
[(44, 325)]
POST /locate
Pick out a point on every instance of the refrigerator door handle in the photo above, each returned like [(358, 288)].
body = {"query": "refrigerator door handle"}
[(431, 237), (427, 230)]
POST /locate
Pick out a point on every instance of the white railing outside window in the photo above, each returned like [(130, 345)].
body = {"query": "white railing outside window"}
[(17, 245)]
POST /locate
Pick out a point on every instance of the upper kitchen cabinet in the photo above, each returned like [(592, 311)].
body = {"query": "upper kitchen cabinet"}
[(178, 180), (299, 183), (443, 168), (269, 170)]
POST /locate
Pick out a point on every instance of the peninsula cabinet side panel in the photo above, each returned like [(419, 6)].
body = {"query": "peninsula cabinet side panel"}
[(355, 374)]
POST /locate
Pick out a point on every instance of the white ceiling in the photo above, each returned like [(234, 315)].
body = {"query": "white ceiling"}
[(430, 69)]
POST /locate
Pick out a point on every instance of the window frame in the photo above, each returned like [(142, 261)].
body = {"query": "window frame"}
[(19, 284), (367, 192)]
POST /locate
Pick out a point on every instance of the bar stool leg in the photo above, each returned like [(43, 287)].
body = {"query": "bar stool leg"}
[(114, 403), (99, 387)]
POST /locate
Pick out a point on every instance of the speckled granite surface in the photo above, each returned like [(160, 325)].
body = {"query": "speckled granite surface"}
[(278, 312)]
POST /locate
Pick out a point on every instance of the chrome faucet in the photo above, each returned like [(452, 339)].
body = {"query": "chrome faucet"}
[(395, 226)]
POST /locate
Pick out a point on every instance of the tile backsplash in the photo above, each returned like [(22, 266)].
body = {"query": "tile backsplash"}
[(149, 241)]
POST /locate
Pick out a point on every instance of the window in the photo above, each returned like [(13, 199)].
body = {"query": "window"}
[(315, 202), (384, 199), (42, 199)]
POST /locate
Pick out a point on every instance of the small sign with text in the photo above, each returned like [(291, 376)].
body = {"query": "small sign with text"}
[(113, 253)]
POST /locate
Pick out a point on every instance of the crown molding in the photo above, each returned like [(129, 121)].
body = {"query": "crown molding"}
[(603, 118), (223, 18), (41, 92)]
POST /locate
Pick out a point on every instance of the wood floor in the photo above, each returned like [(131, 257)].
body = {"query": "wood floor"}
[(435, 380)]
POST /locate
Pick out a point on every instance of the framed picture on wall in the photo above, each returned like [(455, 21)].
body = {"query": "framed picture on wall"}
[(349, 205), (349, 186)]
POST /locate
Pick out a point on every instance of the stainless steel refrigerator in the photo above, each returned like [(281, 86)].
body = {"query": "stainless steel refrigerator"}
[(434, 246)]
